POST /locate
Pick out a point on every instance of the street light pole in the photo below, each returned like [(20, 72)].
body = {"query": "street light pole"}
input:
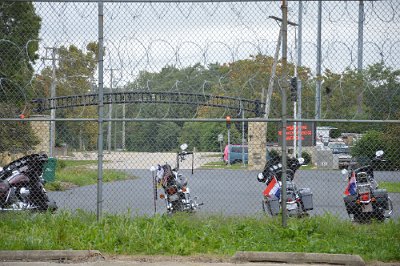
[(110, 111)]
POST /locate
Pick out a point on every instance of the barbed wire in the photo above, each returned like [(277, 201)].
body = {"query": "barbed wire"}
[(150, 37)]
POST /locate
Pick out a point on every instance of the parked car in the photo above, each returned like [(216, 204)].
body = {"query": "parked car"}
[(236, 153), (343, 151)]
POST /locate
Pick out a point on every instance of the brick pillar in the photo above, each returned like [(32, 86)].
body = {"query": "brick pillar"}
[(42, 131), (257, 145)]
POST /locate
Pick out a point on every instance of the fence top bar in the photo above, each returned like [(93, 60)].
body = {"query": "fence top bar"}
[(132, 1), (95, 119)]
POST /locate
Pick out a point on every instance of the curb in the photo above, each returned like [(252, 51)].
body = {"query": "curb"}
[(46, 255), (298, 258)]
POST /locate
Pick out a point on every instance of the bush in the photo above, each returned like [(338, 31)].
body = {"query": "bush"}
[(60, 164), (274, 154), (306, 156)]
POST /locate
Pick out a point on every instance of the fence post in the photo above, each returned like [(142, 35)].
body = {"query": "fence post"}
[(319, 59), (100, 116), (284, 110)]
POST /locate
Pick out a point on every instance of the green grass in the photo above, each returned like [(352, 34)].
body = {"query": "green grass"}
[(392, 187), (193, 235), (75, 163), (223, 165), (70, 173)]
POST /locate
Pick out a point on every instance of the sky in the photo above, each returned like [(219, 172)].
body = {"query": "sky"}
[(148, 36)]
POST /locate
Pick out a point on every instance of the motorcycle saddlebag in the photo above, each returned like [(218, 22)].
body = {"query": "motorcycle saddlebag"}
[(350, 203), (381, 197), (274, 205), (306, 198)]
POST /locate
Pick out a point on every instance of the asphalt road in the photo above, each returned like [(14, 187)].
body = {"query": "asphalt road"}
[(227, 192)]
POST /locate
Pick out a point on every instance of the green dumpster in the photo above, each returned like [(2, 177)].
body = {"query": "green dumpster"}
[(49, 173)]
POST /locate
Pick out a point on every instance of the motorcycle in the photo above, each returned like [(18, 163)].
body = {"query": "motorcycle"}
[(22, 185), (363, 199), (176, 192), (298, 201)]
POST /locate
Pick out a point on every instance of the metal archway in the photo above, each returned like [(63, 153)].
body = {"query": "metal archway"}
[(62, 102)]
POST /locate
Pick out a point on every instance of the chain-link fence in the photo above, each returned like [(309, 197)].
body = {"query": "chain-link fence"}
[(143, 78)]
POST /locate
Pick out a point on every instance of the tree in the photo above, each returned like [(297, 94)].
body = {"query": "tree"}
[(19, 31), (152, 136), (74, 75)]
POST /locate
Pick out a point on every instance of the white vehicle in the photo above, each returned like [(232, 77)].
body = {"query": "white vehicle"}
[(343, 151)]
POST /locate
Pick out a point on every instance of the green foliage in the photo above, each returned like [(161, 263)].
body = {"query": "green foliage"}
[(190, 235), (386, 140), (391, 187), (364, 150), (306, 156), (74, 73), (153, 136), (19, 31), (16, 137), (274, 154), (204, 136), (20, 27), (71, 173), (368, 145)]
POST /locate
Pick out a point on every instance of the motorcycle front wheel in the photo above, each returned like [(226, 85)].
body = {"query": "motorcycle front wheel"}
[(177, 206), (266, 207)]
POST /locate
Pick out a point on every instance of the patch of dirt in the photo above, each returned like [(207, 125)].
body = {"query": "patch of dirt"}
[(67, 185), (158, 258)]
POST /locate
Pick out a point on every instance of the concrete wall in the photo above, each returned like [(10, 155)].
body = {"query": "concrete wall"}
[(42, 132)]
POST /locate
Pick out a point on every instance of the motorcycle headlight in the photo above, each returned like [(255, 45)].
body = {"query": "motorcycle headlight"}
[(260, 177)]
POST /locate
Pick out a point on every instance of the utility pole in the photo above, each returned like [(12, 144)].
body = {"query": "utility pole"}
[(299, 50), (109, 129), (52, 96), (273, 70)]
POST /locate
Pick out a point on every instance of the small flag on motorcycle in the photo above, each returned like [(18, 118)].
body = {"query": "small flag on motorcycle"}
[(273, 189), (351, 188)]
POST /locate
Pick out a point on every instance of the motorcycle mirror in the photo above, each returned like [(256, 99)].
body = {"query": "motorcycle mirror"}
[(344, 172), (300, 160), (184, 146), (153, 168), (260, 176), (379, 153)]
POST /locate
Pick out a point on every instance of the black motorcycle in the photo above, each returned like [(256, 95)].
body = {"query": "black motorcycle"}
[(363, 199), (298, 201), (174, 184), (22, 185)]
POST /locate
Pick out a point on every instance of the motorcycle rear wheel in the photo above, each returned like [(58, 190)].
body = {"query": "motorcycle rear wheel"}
[(360, 217)]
